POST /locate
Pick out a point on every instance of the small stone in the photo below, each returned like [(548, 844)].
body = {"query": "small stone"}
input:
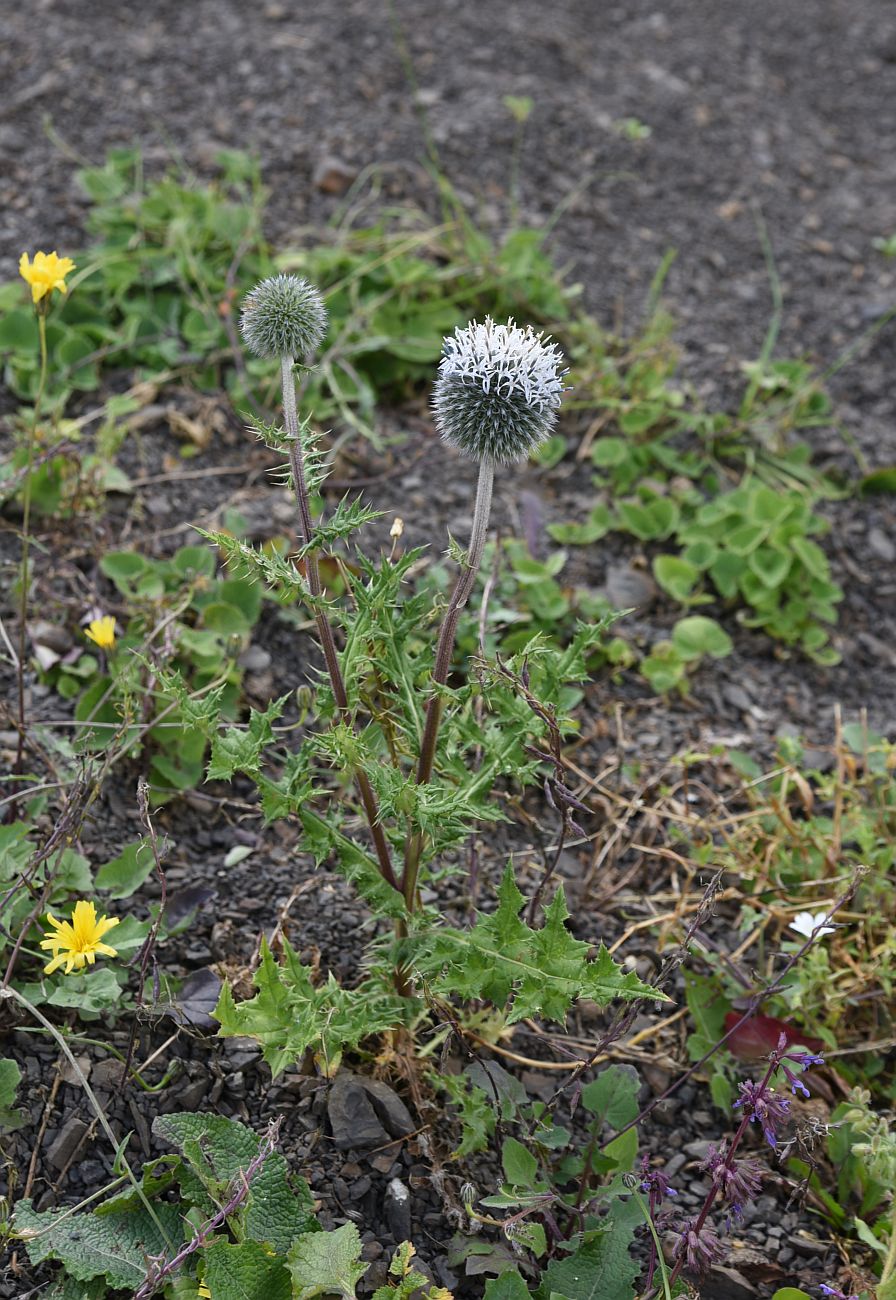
[(882, 546), (71, 1075), (397, 1210), (333, 176), (389, 1107), (255, 659), (51, 635), (352, 1117), (726, 1284), (627, 587), (66, 1142)]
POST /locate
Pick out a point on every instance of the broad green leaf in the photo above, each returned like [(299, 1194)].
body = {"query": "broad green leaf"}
[(676, 576), (219, 1150), (112, 1245), (520, 1166), (245, 1271), (698, 635), (326, 1263), (125, 874), (509, 1286), (602, 1268), (612, 1098)]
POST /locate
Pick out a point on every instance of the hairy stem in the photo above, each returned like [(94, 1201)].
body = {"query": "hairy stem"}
[(444, 651), (324, 630)]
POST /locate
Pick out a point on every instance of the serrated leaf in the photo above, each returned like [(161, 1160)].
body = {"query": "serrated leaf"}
[(527, 972), (113, 1245), (245, 1271), (326, 1263), (290, 1014)]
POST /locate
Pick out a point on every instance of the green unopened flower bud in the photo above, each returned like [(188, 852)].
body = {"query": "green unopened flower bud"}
[(283, 316), (498, 390)]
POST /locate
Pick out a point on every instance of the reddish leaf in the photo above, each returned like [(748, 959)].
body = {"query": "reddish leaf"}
[(760, 1034)]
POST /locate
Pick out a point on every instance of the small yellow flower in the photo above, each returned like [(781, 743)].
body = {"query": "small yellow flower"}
[(77, 942), (46, 273), (102, 632)]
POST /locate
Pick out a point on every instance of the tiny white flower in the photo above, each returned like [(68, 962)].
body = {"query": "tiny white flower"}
[(806, 923)]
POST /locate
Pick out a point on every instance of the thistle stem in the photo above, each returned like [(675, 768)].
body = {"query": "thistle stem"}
[(324, 630), (442, 665)]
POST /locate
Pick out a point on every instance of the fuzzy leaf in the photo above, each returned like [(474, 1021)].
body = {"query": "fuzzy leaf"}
[(290, 1015), (326, 1263), (602, 1268), (112, 1245), (245, 1272), (219, 1150)]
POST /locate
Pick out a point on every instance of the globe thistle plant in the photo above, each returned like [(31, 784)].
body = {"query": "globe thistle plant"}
[(283, 316), (495, 400), (498, 391)]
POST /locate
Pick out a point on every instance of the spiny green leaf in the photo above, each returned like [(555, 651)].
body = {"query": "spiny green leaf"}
[(290, 1015), (527, 972)]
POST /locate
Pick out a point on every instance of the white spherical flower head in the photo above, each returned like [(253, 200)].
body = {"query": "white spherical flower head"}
[(498, 390), (283, 316)]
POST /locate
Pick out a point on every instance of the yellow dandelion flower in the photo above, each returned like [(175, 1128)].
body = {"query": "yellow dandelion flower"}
[(102, 632), (46, 273), (77, 942)]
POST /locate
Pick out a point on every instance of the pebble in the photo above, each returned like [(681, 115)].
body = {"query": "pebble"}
[(66, 1142), (397, 1209), (881, 545), (627, 587)]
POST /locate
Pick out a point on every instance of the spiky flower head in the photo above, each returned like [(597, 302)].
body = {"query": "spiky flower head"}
[(498, 390), (283, 316)]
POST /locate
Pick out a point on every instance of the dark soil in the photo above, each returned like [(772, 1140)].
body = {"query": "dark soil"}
[(786, 112)]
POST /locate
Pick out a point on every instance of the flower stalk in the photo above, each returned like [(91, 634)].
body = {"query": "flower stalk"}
[(324, 630)]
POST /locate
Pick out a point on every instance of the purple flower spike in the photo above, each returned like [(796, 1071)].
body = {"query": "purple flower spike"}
[(764, 1107), (698, 1247), (835, 1293), (737, 1181), (654, 1182)]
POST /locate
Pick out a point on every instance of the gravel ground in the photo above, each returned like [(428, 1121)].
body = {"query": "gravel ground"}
[(783, 115)]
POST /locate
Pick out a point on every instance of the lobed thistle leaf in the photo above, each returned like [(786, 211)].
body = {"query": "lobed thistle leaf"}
[(498, 390), (283, 316)]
